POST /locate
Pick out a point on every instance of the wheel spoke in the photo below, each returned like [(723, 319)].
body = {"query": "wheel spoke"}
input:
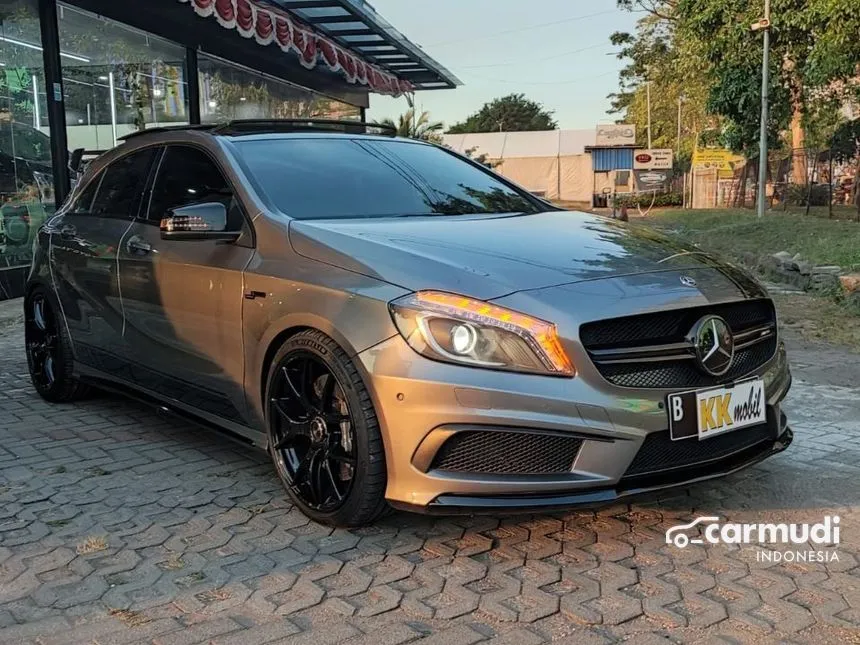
[(48, 369), (299, 392), (292, 434), (303, 469), (327, 397), (342, 458), (336, 417), (39, 317), (315, 481), (281, 409), (307, 476), (332, 480)]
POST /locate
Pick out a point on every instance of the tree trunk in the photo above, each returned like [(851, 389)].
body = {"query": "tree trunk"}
[(799, 167), (857, 189)]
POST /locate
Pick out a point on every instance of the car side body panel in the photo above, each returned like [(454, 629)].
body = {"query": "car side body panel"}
[(286, 291)]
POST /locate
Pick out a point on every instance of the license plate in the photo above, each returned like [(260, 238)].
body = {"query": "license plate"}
[(708, 413)]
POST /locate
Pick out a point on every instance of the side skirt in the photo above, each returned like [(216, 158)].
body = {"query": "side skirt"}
[(229, 429)]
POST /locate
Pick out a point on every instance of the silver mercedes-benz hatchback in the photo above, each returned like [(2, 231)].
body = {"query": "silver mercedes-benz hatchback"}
[(397, 325)]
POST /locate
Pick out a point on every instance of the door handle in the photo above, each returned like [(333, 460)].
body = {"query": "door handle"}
[(137, 246), (68, 232)]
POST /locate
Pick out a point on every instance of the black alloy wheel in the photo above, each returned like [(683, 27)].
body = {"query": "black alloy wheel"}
[(323, 433), (49, 350), (314, 441), (42, 342)]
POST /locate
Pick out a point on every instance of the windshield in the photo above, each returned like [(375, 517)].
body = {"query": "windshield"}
[(24, 142), (318, 178)]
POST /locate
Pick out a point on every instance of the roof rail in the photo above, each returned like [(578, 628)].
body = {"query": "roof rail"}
[(168, 128), (260, 126)]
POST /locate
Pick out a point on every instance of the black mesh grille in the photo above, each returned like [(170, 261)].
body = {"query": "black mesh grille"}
[(672, 327), (674, 374), (659, 453), (512, 453)]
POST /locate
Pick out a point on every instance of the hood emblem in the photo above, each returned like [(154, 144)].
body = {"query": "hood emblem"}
[(714, 345), (687, 281)]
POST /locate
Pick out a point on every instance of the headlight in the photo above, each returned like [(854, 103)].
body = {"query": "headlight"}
[(456, 329)]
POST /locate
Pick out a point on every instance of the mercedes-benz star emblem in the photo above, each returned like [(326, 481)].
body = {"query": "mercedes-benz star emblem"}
[(714, 345), (687, 281)]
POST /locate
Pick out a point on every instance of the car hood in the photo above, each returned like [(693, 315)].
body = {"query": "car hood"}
[(488, 256)]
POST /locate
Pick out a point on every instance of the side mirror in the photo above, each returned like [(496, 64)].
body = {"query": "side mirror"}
[(197, 222)]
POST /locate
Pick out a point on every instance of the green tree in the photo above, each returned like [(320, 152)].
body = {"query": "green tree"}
[(655, 56), (814, 48), (512, 113), (415, 126)]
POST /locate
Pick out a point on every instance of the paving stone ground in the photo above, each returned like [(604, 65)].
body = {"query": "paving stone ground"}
[(118, 525)]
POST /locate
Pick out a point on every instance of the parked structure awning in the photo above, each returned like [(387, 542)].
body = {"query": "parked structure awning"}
[(354, 24)]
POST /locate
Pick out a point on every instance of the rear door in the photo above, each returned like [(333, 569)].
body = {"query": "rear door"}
[(183, 299), (84, 248)]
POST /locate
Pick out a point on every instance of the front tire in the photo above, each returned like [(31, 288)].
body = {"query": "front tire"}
[(323, 433), (49, 350)]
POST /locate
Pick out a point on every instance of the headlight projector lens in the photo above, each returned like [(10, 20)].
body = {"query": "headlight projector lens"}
[(463, 339)]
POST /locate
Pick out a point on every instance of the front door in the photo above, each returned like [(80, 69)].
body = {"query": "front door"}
[(182, 298), (85, 238)]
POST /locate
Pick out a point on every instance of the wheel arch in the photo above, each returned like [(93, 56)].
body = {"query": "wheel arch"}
[(278, 333)]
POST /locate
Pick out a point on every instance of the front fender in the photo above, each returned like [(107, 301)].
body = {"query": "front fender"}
[(354, 314)]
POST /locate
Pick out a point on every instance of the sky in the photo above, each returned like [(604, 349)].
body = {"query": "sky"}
[(557, 52)]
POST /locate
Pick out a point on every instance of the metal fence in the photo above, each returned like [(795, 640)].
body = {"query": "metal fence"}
[(804, 178)]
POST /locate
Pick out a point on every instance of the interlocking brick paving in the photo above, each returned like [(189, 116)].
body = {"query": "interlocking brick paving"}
[(118, 525)]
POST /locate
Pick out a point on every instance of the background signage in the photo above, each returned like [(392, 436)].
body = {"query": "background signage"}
[(616, 134), (720, 159), (659, 159)]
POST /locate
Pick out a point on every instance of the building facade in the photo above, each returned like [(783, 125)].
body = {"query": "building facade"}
[(79, 74)]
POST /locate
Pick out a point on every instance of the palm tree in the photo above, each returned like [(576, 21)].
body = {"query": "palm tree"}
[(420, 127)]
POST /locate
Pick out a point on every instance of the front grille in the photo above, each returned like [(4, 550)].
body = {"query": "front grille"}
[(671, 326), (507, 453), (661, 338), (675, 374), (659, 453)]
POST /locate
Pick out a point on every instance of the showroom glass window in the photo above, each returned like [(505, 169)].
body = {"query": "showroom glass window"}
[(228, 91), (26, 183), (117, 79)]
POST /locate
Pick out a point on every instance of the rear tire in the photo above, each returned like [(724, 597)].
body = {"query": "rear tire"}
[(323, 433), (50, 358)]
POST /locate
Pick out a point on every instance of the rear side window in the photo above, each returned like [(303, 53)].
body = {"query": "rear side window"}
[(318, 178), (121, 189)]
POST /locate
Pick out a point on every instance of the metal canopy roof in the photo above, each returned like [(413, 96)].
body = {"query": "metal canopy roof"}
[(355, 25)]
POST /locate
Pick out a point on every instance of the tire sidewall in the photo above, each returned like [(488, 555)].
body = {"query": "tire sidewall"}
[(305, 344)]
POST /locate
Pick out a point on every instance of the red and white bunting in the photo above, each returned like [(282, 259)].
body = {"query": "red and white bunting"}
[(268, 25)]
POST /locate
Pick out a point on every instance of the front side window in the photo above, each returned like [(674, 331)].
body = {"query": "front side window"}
[(320, 178), (189, 176), (83, 202), (121, 189)]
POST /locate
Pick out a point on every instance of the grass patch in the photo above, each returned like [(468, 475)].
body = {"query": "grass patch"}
[(735, 232), (818, 319), (130, 618), (92, 544)]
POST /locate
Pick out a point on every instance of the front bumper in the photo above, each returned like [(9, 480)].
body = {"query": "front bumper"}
[(466, 504), (422, 403)]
